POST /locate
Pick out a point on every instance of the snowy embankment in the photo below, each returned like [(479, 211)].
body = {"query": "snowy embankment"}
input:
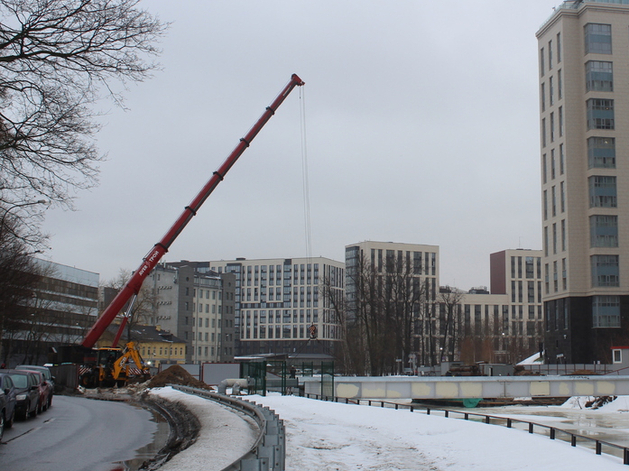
[(224, 437), (332, 436)]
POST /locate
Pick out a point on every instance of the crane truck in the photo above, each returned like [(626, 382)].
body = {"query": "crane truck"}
[(109, 366)]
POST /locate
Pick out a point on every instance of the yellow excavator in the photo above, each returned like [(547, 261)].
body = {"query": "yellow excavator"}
[(113, 367)]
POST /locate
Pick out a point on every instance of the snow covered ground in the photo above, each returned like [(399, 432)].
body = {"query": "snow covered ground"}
[(333, 436)]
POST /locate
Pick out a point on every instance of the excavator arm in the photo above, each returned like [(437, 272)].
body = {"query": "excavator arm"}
[(123, 363)]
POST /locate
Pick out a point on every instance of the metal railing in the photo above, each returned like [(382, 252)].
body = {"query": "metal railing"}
[(599, 446), (268, 452)]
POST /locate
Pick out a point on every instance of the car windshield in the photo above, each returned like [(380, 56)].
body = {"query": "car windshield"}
[(20, 381), (42, 370)]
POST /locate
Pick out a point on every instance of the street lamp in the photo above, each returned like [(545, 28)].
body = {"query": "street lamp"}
[(20, 205)]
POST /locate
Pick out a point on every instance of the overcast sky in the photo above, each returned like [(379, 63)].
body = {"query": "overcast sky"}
[(421, 127)]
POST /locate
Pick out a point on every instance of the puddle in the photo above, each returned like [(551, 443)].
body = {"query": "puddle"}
[(160, 437)]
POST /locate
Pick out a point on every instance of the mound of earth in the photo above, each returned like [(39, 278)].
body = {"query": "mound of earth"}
[(175, 375)]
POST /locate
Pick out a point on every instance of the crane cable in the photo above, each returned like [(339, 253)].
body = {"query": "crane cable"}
[(304, 171)]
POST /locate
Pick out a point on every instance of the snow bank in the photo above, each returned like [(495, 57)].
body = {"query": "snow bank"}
[(536, 358), (225, 435), (619, 404)]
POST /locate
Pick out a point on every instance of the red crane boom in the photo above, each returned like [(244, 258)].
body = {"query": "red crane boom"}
[(153, 257)]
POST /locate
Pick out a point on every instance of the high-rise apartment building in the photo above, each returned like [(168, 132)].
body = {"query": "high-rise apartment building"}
[(584, 117)]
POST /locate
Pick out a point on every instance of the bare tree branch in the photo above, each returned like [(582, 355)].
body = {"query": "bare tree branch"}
[(56, 58)]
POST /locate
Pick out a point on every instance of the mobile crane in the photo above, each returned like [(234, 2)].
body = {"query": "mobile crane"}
[(112, 365)]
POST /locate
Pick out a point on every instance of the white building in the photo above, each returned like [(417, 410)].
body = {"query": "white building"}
[(277, 301)]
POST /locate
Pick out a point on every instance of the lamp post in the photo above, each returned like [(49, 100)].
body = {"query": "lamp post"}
[(20, 205)]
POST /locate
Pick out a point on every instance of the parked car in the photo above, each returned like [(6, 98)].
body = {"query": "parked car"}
[(7, 387), (50, 379), (27, 392), (45, 393), (3, 411)]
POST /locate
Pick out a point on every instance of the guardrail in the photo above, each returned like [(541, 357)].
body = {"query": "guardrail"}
[(268, 452), (599, 446)]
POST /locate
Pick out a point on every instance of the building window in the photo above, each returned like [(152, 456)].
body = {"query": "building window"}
[(605, 311), (564, 274), (554, 200), (561, 159), (605, 271), (604, 231), (601, 152), (541, 61), (552, 127), (558, 48), (544, 169), (554, 238), (560, 121), (543, 96), (529, 263), (602, 191), (563, 235), (543, 132), (599, 76), (600, 113), (551, 92), (559, 85), (562, 196), (598, 38), (550, 55)]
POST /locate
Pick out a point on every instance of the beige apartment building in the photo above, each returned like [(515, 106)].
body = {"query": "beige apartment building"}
[(584, 118), (282, 303)]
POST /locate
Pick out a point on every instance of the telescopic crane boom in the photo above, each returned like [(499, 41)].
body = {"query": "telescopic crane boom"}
[(132, 287)]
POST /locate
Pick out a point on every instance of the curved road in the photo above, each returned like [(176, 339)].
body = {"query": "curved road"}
[(77, 434)]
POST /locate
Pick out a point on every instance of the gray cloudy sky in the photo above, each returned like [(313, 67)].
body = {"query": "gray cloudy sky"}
[(422, 127)]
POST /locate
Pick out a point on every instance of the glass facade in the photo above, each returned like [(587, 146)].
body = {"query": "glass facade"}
[(598, 38), (606, 311)]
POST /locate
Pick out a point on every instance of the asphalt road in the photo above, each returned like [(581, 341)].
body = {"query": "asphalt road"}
[(78, 434)]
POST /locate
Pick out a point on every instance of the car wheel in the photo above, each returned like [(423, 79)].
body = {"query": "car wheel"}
[(33, 413), (1, 424), (49, 401), (9, 423)]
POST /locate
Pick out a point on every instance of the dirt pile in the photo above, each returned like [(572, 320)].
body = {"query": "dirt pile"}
[(175, 375)]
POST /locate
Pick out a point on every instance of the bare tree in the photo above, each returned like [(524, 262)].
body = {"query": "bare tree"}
[(337, 306), (18, 278), (449, 302), (382, 310), (56, 58)]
